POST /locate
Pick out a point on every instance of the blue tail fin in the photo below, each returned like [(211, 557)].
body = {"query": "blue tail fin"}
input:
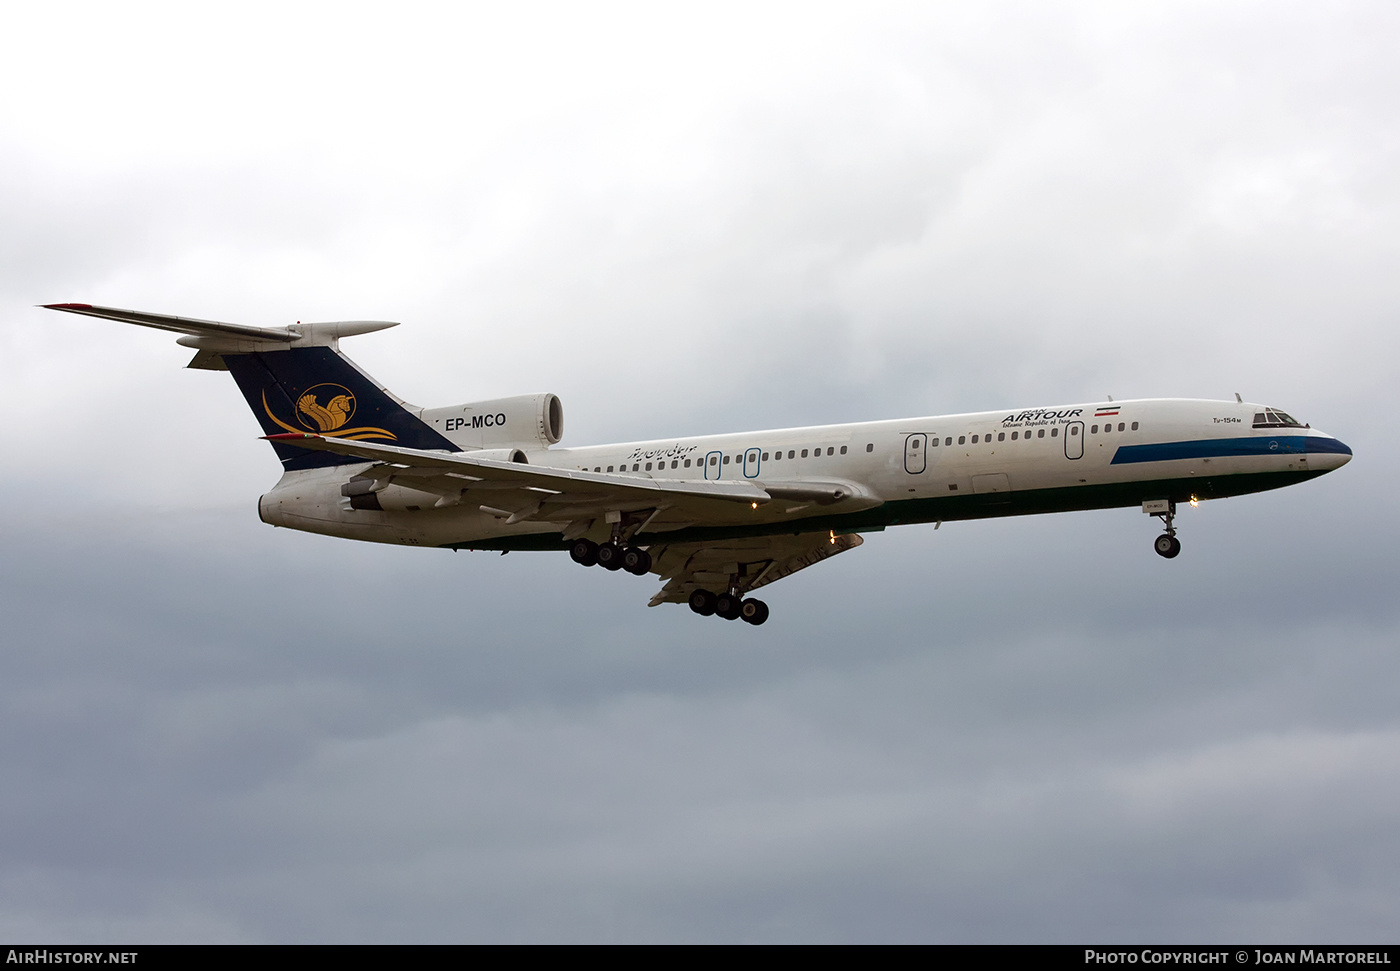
[(316, 389)]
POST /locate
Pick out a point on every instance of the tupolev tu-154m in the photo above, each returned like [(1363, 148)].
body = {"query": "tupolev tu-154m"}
[(716, 516)]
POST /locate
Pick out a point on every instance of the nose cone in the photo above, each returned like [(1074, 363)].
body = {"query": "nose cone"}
[(1326, 453)]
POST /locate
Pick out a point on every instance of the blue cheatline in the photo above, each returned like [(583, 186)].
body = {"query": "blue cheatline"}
[(1210, 448)]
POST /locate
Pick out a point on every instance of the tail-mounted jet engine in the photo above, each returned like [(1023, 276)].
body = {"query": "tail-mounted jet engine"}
[(530, 420)]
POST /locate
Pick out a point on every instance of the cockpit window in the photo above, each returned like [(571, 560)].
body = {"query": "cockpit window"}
[(1273, 418)]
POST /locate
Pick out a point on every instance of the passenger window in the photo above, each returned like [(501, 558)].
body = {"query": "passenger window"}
[(634, 466), (726, 460), (1120, 426), (610, 468), (1134, 426), (843, 450), (777, 456), (829, 450), (974, 439), (1040, 433), (765, 456), (1093, 429), (932, 444), (792, 454), (648, 466), (870, 446), (1074, 429), (804, 453), (687, 463), (1001, 436), (948, 440), (1055, 432), (714, 459), (1014, 435), (674, 463)]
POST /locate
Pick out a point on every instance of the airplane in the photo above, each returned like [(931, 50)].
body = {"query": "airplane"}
[(717, 517)]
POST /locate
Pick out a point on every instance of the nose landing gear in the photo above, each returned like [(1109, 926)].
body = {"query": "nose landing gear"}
[(1166, 545)]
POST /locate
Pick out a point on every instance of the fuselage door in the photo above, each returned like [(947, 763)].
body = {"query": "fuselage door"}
[(751, 458), (713, 464), (1074, 440), (915, 454)]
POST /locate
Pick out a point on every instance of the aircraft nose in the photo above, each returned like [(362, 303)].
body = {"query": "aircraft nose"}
[(1327, 453)]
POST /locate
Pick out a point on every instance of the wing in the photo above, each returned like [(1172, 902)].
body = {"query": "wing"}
[(539, 493), (576, 499), (745, 563)]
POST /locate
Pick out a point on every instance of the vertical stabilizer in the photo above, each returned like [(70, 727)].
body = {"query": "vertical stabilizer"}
[(318, 389)]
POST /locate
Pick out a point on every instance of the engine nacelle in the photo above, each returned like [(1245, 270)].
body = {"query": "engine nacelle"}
[(502, 455), (529, 420)]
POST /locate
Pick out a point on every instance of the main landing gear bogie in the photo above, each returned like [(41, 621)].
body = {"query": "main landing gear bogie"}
[(611, 556), (730, 606)]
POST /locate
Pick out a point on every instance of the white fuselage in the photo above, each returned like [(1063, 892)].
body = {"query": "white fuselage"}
[(996, 463)]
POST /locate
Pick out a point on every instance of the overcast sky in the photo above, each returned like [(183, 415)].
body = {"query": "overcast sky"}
[(684, 221)]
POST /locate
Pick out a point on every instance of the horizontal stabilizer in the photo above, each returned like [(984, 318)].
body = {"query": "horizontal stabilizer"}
[(181, 325), (225, 338)]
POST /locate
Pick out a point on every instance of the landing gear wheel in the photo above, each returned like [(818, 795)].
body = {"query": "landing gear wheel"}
[(753, 612), (702, 602), (584, 552), (636, 561), (1167, 545), (728, 606), (610, 556)]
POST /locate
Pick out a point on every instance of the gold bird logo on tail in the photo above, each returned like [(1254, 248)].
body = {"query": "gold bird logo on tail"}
[(334, 413)]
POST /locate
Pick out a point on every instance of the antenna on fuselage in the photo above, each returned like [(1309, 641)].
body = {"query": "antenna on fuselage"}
[(1238, 398)]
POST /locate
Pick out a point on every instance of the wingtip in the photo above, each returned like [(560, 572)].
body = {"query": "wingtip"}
[(66, 306), (287, 436)]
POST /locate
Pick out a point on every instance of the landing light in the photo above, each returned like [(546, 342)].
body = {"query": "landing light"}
[(833, 537), (754, 504), (1195, 502)]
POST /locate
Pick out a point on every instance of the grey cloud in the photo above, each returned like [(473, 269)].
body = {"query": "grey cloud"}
[(1015, 730)]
